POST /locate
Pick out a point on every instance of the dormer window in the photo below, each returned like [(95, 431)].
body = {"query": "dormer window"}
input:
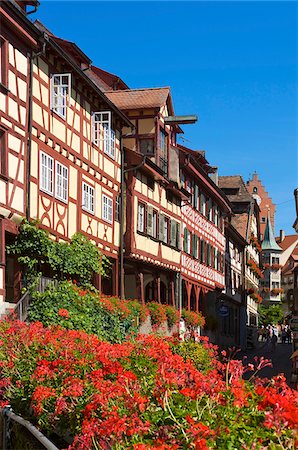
[(60, 90), (255, 190), (103, 135)]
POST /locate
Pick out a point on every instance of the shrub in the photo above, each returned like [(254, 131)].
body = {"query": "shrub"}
[(193, 319), (173, 315), (73, 308), (141, 394), (157, 313)]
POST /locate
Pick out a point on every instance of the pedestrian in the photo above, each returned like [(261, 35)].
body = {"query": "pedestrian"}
[(283, 336), (289, 335), (273, 341)]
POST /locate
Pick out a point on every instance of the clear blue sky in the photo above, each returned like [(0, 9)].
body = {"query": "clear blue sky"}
[(232, 63)]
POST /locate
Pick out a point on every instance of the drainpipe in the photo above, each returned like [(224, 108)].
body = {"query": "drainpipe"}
[(122, 187), (29, 139)]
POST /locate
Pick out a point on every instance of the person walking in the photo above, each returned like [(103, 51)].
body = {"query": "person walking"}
[(273, 341)]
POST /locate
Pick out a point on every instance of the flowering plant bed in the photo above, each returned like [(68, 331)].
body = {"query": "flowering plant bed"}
[(150, 393), (277, 291), (193, 319), (255, 268)]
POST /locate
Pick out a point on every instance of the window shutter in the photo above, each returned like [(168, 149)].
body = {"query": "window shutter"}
[(193, 245), (185, 239), (196, 194), (178, 237), (161, 227), (173, 233), (149, 220)]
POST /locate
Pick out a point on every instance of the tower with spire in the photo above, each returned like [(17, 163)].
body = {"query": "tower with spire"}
[(271, 283)]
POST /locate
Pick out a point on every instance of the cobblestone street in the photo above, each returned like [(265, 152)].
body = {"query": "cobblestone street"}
[(280, 358)]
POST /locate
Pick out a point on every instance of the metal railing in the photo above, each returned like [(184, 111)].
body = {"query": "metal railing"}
[(9, 416), (22, 307)]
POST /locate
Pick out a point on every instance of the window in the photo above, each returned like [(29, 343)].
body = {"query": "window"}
[(263, 219), (255, 190), (141, 218), (46, 173), (146, 146), (175, 234), (195, 240), (107, 209), (203, 204), (210, 210), (3, 62), (154, 224), (60, 90), (3, 153), (195, 196), (163, 151), (187, 240), (88, 198), (166, 226), (61, 182), (275, 260), (208, 255), (103, 135), (117, 208), (202, 251), (275, 285), (150, 183)]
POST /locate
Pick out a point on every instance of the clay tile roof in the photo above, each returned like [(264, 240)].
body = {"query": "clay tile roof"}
[(234, 188), (287, 242), (139, 98), (239, 221), (111, 80)]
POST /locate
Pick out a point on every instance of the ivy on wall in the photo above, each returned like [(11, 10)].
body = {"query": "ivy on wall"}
[(38, 253)]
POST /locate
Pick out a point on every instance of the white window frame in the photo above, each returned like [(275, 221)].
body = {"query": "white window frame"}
[(102, 134), (141, 218), (107, 208), (60, 99), (61, 178), (46, 181), (88, 200)]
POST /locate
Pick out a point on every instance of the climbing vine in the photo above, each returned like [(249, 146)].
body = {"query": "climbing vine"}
[(38, 253)]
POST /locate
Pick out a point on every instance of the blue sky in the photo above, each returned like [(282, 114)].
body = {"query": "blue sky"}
[(234, 64)]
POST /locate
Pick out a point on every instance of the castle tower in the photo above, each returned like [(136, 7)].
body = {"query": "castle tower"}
[(255, 187), (271, 283)]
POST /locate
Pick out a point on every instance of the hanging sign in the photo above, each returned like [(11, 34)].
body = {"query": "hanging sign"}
[(223, 310)]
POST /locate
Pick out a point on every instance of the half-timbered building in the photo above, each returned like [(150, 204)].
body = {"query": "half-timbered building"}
[(246, 220), (17, 41), (202, 216), (152, 231), (62, 135)]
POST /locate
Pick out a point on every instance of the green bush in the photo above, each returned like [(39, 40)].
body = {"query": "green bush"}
[(195, 352), (73, 308)]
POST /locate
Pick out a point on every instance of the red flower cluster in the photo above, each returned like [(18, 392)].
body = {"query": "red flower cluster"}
[(140, 394), (255, 268), (63, 312)]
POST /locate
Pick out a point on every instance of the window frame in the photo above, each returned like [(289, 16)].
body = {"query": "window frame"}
[(4, 62), (92, 195), (107, 205), (41, 186), (143, 207), (3, 153), (103, 136), (61, 198), (55, 108)]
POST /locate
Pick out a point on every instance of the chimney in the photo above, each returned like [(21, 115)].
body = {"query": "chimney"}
[(214, 175), (281, 235), (23, 4), (296, 200)]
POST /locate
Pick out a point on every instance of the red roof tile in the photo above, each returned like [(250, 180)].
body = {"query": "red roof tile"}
[(111, 80), (288, 241), (139, 98)]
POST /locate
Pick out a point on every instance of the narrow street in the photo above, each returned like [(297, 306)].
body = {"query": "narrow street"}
[(280, 358)]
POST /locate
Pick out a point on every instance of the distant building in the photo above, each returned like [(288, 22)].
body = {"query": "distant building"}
[(289, 263), (271, 283), (246, 221), (256, 188)]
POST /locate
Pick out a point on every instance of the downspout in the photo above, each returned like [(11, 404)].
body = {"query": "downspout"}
[(122, 186), (29, 140)]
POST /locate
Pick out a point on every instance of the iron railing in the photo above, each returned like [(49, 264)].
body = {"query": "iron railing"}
[(8, 417)]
